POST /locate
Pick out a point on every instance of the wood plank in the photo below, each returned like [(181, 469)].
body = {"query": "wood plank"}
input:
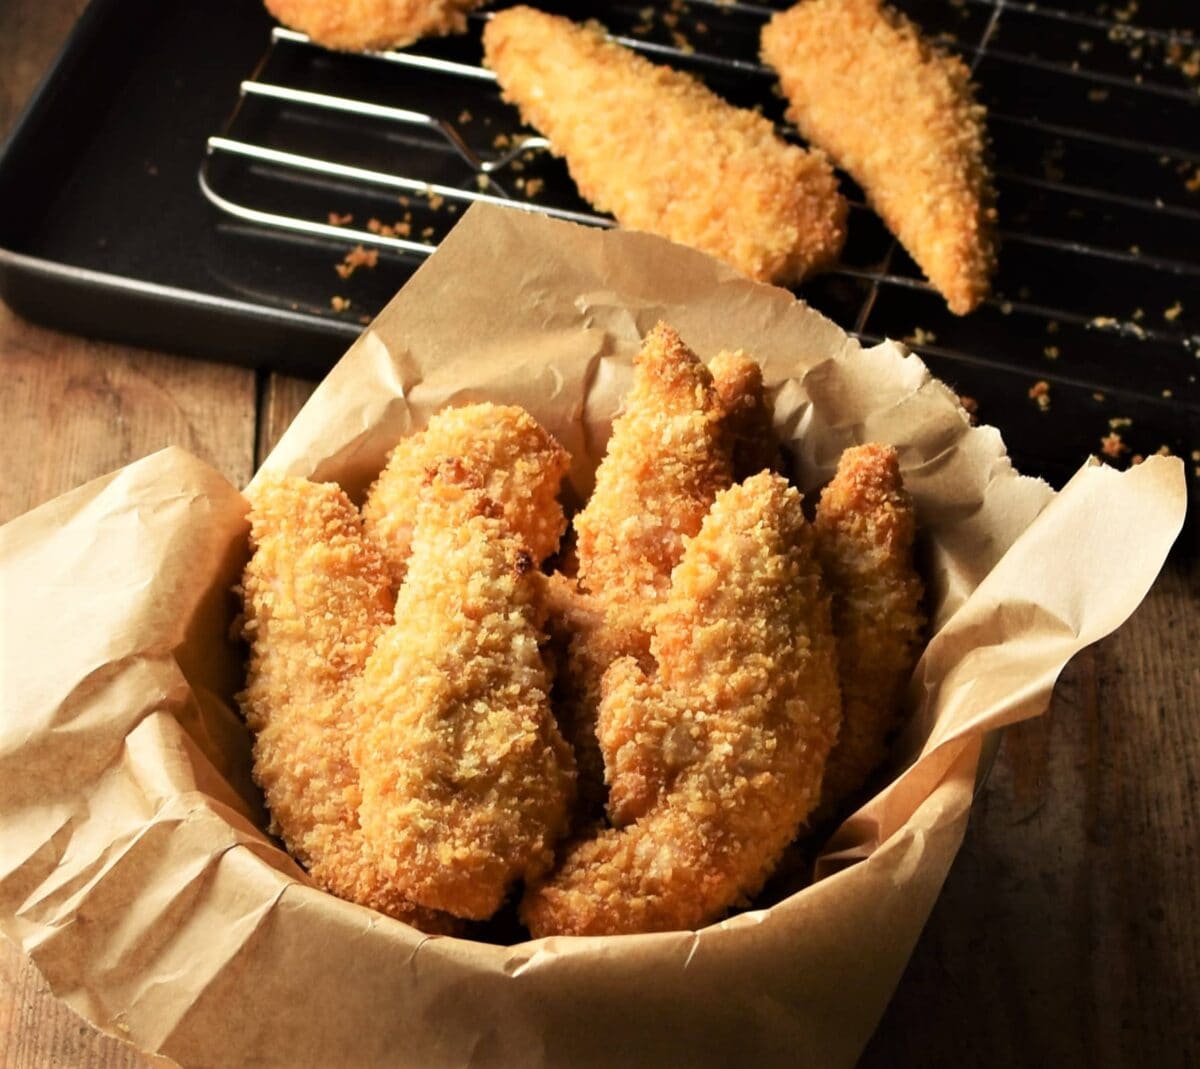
[(1066, 933), (283, 397), (74, 409)]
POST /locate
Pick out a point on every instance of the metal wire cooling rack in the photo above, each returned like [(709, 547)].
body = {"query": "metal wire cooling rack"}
[(1091, 341)]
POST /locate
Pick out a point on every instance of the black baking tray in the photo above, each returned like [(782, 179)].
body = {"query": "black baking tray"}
[(104, 231)]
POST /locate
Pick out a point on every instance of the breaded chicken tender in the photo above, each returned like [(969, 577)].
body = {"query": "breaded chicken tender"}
[(371, 25), (466, 781), (662, 153), (667, 458), (722, 749), (588, 642), (521, 464), (902, 119), (739, 383), (316, 601), (865, 530)]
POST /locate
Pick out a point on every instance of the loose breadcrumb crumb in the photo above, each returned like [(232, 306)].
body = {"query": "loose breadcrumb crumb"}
[(1039, 392), (399, 229), (357, 257), (1113, 446)]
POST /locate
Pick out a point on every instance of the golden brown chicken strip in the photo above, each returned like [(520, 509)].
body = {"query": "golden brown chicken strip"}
[(664, 154), (725, 746), (865, 530), (586, 644), (902, 119), (316, 601), (739, 383), (466, 782), (370, 25), (521, 464), (668, 456)]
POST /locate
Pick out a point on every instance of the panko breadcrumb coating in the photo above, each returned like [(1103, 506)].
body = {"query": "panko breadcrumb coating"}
[(865, 529), (372, 25), (316, 601), (725, 747), (902, 119), (739, 383), (587, 641), (667, 457), (466, 781), (664, 154), (521, 463)]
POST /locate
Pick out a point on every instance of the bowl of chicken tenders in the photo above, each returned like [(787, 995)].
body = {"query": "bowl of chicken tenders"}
[(596, 672), (633, 736)]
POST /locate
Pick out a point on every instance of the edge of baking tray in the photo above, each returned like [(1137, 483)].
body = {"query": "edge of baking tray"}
[(114, 308)]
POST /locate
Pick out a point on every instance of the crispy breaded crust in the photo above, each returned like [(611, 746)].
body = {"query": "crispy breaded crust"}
[(466, 781), (369, 25), (521, 464), (747, 419), (865, 530), (902, 119), (588, 641), (316, 601), (727, 743), (667, 457), (662, 153)]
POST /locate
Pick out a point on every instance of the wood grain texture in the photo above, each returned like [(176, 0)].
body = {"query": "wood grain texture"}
[(282, 398), (1067, 931), (74, 409)]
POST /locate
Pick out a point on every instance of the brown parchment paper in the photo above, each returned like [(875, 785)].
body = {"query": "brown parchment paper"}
[(132, 865)]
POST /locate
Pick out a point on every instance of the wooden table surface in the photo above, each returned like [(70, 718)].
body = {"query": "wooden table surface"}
[(1068, 931)]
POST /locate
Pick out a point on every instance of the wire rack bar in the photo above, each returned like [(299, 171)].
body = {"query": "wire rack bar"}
[(487, 167)]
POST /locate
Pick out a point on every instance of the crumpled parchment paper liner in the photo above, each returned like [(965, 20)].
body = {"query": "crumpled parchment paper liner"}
[(132, 865)]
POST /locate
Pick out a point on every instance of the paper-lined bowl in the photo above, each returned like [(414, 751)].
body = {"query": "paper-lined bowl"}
[(133, 864)]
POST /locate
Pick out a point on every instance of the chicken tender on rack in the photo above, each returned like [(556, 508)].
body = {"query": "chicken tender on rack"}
[(739, 383), (865, 530), (902, 119), (664, 154), (371, 25), (723, 749), (466, 781), (316, 601), (521, 465)]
